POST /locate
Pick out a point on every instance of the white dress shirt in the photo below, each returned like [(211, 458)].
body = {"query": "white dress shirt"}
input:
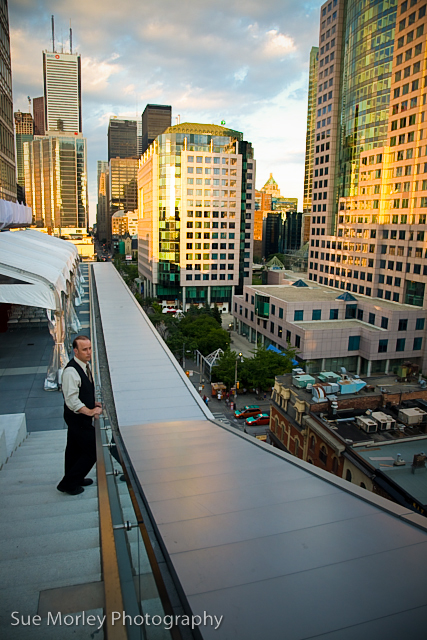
[(71, 383)]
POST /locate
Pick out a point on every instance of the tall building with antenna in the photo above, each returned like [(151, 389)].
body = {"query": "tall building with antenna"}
[(62, 89), (55, 163)]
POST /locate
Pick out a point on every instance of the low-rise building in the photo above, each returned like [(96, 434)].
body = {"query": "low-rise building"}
[(330, 329), (375, 438)]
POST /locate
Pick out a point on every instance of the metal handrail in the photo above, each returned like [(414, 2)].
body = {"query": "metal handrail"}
[(113, 598)]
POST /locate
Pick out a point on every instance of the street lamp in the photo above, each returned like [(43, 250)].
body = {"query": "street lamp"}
[(235, 376)]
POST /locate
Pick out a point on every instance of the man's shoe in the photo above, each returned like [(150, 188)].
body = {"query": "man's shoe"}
[(86, 482), (71, 492)]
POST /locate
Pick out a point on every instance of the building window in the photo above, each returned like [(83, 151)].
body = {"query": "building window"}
[(298, 315), (353, 343), (333, 314), (334, 465), (280, 313), (297, 341), (417, 344), (323, 454), (317, 314), (400, 344), (419, 325), (371, 319), (403, 324), (382, 346), (348, 475)]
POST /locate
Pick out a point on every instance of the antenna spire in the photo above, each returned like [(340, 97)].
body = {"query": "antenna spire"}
[(53, 34), (71, 38)]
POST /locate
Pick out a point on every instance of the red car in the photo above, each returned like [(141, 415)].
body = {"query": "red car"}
[(261, 418), (247, 412)]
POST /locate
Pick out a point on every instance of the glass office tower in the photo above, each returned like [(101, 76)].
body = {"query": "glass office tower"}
[(56, 181), (196, 186)]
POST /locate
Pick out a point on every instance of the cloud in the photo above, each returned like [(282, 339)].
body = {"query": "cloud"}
[(243, 62)]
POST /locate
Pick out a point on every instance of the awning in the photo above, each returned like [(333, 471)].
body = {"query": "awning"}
[(43, 272), (13, 214)]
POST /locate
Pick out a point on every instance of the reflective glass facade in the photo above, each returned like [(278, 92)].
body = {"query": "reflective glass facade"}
[(366, 77), (7, 143), (56, 181), (193, 201)]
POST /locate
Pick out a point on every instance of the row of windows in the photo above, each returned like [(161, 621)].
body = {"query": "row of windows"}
[(207, 225), (400, 345), (336, 283), (406, 72), (216, 172), (216, 160), (206, 267), (404, 5), (407, 22), (406, 88), (409, 38), (215, 182), (214, 245), (207, 235), (405, 105), (212, 276)]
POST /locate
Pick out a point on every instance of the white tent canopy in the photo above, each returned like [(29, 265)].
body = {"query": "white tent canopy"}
[(13, 214), (49, 268)]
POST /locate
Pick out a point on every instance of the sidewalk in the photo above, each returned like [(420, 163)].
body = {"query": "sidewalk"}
[(238, 343)]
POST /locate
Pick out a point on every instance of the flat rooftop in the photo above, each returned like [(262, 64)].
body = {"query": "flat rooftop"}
[(382, 457), (315, 292), (321, 325)]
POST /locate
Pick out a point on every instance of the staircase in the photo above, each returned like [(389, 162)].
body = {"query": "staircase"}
[(49, 546)]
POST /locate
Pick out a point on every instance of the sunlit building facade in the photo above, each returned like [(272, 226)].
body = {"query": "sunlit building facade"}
[(56, 181), (122, 175), (196, 194), (311, 129), (62, 92), (102, 208), (370, 178), (24, 132), (7, 146)]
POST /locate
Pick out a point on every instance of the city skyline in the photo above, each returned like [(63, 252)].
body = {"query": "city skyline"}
[(250, 70)]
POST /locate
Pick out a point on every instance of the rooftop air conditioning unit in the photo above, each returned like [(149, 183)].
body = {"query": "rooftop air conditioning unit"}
[(384, 421), (367, 424)]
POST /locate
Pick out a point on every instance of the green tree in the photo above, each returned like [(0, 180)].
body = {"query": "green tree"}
[(225, 368), (260, 371)]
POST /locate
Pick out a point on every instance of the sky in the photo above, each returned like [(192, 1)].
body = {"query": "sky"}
[(242, 61)]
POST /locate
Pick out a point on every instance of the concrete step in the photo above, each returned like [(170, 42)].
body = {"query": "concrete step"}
[(43, 525), (64, 568), (44, 496), (71, 505), (49, 543)]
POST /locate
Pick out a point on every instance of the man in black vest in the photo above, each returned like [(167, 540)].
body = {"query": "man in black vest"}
[(79, 409)]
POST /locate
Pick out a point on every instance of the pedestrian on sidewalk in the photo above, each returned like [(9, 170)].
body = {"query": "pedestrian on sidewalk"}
[(79, 410)]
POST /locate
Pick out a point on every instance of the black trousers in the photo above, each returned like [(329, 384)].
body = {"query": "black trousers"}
[(80, 455)]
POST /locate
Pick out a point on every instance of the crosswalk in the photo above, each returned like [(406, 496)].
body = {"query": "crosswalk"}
[(221, 417)]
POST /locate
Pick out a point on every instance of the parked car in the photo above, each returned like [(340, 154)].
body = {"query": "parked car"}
[(247, 412), (261, 418)]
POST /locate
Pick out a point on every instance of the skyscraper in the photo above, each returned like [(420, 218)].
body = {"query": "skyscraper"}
[(196, 186), (103, 222), (7, 151), (38, 115), (156, 118), (370, 179), (56, 180), (122, 139), (24, 132), (311, 130), (122, 185), (62, 92)]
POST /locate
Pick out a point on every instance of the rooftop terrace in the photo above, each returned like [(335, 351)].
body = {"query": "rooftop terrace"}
[(239, 523)]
